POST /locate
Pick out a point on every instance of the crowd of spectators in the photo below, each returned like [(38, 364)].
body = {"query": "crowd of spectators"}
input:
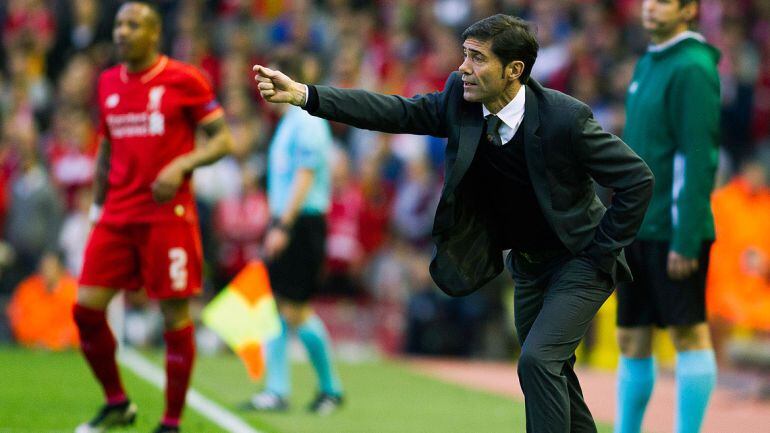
[(385, 186)]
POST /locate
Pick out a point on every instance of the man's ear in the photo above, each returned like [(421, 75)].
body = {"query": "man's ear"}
[(514, 70), (690, 11)]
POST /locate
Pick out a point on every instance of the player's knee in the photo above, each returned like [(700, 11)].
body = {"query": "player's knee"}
[(176, 322), (635, 343), (176, 314), (87, 318), (293, 319), (294, 315), (691, 337), (94, 298)]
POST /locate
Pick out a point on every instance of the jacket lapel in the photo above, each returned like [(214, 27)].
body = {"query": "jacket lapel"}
[(472, 123), (533, 147)]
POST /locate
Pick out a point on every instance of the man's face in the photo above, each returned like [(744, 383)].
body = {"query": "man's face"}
[(136, 33), (665, 17), (482, 72)]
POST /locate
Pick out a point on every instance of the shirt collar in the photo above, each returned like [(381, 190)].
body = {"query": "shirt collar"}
[(512, 112), (147, 74), (675, 40)]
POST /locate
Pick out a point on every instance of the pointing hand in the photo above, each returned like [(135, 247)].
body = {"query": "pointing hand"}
[(276, 87)]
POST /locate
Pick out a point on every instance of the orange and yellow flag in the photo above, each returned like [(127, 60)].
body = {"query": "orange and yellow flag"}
[(244, 314)]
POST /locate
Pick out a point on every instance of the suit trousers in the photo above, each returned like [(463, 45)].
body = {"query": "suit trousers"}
[(554, 303)]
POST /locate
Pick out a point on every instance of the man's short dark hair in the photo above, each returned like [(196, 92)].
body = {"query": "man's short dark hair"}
[(155, 15), (512, 39)]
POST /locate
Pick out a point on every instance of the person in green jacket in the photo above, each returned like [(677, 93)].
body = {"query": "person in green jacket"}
[(672, 122)]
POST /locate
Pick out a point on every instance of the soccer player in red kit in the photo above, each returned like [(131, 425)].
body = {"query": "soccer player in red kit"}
[(145, 232)]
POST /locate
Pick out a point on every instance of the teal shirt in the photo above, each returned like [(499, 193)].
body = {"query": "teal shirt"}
[(300, 141), (672, 122)]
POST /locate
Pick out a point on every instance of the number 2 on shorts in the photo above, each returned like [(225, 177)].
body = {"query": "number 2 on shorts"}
[(177, 269)]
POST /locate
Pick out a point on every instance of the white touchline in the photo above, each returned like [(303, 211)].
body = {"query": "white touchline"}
[(195, 400)]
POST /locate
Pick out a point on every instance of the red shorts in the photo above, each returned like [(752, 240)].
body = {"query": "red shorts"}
[(164, 258)]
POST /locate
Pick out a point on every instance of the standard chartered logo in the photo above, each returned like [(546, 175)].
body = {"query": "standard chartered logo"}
[(157, 123), (148, 123)]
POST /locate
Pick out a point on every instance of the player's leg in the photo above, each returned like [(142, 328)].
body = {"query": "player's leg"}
[(98, 346), (312, 332), (636, 377), (294, 278), (180, 354), (310, 235), (274, 396), (108, 262), (97, 341), (696, 368), (299, 318), (282, 271), (636, 315), (696, 373), (294, 316), (171, 261)]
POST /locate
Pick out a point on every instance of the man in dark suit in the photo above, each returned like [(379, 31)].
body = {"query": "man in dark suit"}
[(519, 179)]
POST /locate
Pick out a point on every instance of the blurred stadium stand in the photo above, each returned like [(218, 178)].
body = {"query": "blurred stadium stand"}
[(385, 186)]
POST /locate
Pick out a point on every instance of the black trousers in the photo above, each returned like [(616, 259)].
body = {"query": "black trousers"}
[(554, 303)]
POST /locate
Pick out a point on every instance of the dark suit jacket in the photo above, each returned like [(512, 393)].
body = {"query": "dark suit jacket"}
[(565, 149)]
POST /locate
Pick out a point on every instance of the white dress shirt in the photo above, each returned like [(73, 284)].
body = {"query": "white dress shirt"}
[(511, 115)]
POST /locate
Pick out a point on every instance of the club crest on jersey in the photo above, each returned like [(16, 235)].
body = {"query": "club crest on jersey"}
[(112, 100), (154, 97), (157, 123), (633, 87)]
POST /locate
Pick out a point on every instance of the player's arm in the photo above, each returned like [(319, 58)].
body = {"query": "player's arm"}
[(695, 110), (299, 189), (218, 144), (101, 176), (278, 236)]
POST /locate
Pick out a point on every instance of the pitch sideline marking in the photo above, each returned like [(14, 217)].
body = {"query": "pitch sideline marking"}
[(209, 409)]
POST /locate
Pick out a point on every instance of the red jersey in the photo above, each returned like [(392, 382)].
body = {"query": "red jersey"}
[(150, 118)]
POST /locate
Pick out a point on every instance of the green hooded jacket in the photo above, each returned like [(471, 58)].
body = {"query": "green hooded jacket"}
[(672, 122)]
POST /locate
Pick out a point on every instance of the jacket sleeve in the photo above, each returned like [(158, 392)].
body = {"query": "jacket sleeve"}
[(612, 164), (421, 114), (695, 109)]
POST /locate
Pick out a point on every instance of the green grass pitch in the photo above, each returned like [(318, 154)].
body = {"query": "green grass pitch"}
[(43, 392)]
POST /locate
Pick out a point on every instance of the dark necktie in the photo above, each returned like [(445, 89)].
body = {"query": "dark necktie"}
[(493, 124)]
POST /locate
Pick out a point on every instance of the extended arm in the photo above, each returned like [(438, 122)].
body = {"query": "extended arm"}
[(422, 114)]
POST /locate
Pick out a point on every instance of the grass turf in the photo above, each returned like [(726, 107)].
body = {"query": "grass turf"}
[(44, 392)]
